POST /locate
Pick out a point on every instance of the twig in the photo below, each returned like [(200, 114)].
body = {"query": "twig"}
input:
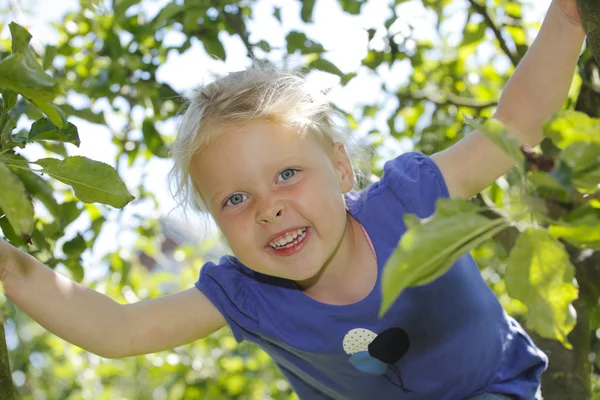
[(481, 9), (237, 22), (451, 99)]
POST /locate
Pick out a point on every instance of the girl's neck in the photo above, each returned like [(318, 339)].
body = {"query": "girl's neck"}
[(351, 272)]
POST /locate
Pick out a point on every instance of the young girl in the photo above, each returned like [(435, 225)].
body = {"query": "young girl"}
[(259, 151)]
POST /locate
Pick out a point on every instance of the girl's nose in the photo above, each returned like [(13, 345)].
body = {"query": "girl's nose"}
[(270, 212)]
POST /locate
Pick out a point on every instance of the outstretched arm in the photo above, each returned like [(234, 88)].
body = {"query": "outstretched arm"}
[(95, 322), (537, 89)]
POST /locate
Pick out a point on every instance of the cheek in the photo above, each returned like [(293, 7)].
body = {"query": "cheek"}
[(322, 204), (235, 229), (326, 192)]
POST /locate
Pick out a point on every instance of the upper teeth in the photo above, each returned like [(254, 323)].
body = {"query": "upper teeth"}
[(288, 238)]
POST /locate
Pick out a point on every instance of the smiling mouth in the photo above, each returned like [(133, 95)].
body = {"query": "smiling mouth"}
[(290, 240)]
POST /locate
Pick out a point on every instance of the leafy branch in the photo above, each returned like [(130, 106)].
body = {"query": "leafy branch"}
[(539, 272)]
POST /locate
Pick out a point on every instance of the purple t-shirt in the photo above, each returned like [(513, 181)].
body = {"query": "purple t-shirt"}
[(447, 340)]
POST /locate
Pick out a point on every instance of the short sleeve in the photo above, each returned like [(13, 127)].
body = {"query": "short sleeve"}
[(416, 181), (228, 287)]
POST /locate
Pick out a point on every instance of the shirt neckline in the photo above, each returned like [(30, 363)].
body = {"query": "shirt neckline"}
[(374, 294)]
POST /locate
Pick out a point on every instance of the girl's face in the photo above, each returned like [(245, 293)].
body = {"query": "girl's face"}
[(277, 196)]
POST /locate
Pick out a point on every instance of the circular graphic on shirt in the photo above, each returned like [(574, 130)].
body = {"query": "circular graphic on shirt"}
[(357, 340), (378, 354)]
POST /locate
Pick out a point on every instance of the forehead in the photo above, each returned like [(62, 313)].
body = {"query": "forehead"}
[(260, 141), (243, 153)]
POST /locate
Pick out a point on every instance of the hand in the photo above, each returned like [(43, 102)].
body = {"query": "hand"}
[(568, 9)]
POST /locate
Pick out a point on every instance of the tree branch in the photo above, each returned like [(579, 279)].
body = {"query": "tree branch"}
[(481, 9), (448, 99), (236, 21), (6, 383)]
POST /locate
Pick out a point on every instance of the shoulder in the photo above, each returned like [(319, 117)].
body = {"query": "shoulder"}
[(228, 267), (414, 171), (229, 285), (411, 181)]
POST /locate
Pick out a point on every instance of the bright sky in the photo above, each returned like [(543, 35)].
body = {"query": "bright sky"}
[(346, 41)]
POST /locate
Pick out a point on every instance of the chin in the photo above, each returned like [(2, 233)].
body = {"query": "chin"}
[(306, 278)]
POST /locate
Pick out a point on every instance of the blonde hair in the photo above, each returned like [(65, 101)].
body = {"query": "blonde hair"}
[(243, 96)]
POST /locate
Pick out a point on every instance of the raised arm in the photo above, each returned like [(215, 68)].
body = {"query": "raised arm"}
[(537, 89), (95, 322)]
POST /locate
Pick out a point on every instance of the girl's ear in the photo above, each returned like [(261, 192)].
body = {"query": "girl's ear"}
[(341, 162)]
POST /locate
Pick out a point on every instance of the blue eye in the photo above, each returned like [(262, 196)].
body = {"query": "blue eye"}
[(235, 199), (288, 174)]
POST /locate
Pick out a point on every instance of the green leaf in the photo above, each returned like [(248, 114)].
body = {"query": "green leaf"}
[(214, 47), (55, 114), (307, 10), (586, 214), (22, 74), (495, 131), (352, 6), (74, 266), (583, 160), (20, 38), (70, 211), (49, 55), (167, 13), (588, 180), (153, 140), (431, 246), (518, 35), (15, 203), (9, 232), (7, 130), (580, 227), (92, 181), (514, 10), (277, 13), (582, 235), (540, 275), (75, 246), (539, 178), (371, 33), (43, 129), (10, 99), (327, 66), (562, 175), (373, 59), (40, 240), (473, 33), (39, 188), (580, 156), (299, 41), (568, 126)]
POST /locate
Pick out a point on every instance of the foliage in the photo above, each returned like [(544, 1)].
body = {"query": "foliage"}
[(538, 272)]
